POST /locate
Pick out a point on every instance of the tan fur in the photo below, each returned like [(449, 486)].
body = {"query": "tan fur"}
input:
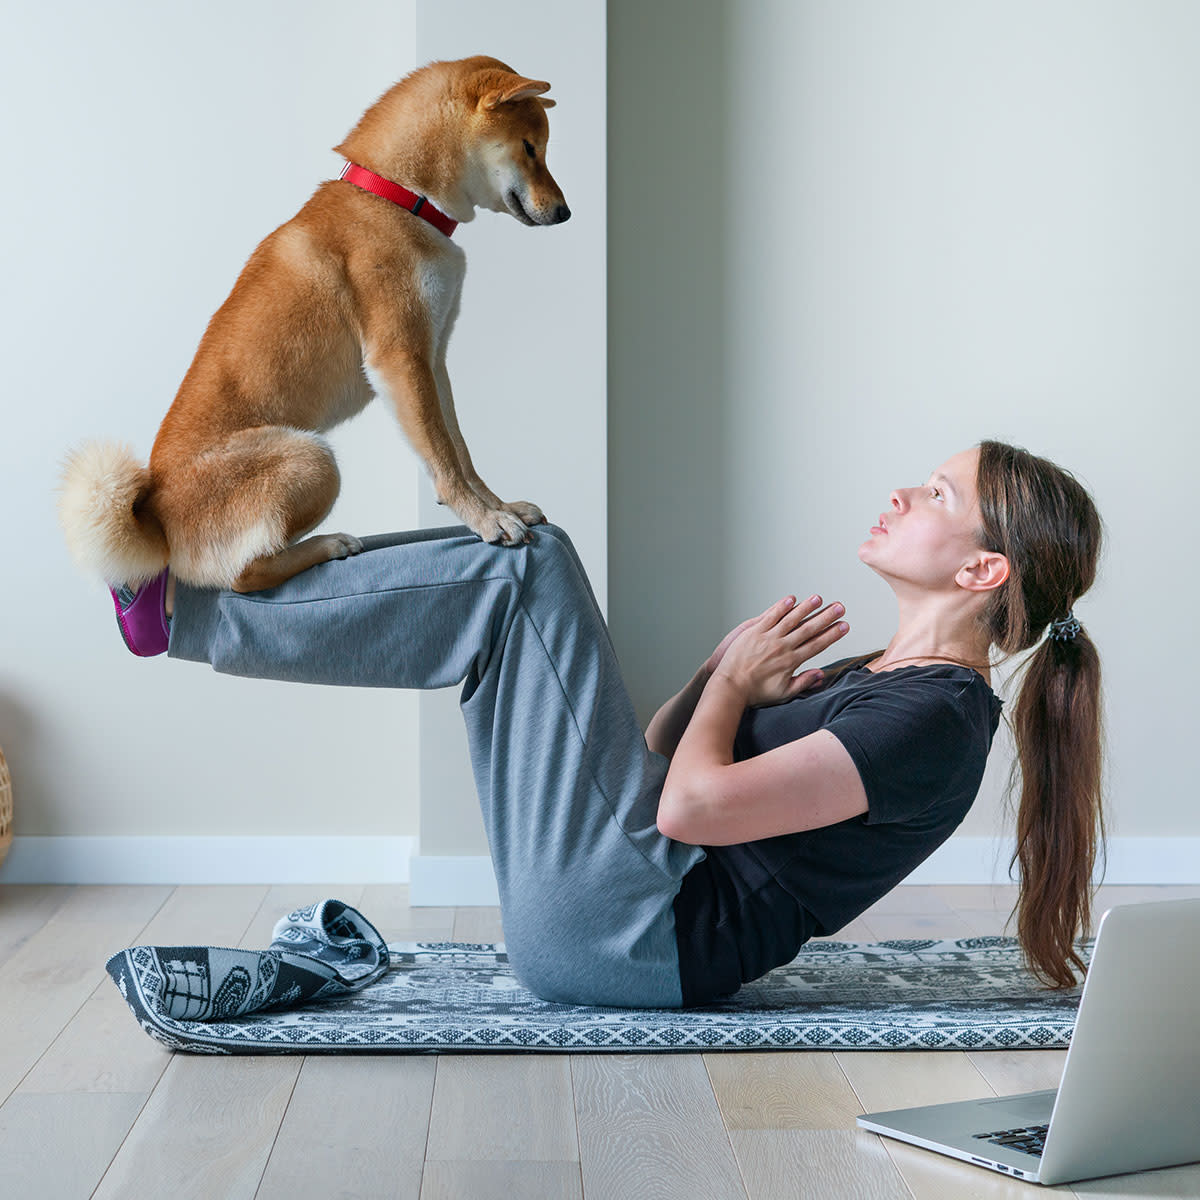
[(350, 290)]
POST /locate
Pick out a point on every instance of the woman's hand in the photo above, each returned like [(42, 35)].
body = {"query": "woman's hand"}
[(714, 659), (760, 657)]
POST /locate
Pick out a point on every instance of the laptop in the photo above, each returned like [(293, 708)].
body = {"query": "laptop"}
[(1129, 1097)]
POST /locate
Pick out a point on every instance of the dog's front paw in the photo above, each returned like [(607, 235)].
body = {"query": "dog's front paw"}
[(342, 545), (527, 512), (499, 526)]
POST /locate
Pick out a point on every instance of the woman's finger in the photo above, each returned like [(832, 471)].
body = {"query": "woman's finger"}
[(790, 611), (772, 615), (816, 622), (824, 639), (804, 681), (808, 611)]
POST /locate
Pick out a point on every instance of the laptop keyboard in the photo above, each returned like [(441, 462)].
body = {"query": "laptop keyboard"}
[(1030, 1139)]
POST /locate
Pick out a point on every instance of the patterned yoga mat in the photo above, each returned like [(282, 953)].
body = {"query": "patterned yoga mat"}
[(349, 993)]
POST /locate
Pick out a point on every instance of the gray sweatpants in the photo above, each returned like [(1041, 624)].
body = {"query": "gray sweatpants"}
[(568, 787)]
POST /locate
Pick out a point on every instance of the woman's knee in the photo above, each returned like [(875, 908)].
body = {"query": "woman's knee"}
[(556, 534), (552, 550)]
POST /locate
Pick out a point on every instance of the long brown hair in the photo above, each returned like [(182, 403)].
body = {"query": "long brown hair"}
[(1044, 522)]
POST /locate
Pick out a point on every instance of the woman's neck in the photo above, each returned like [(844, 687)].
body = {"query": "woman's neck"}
[(936, 635)]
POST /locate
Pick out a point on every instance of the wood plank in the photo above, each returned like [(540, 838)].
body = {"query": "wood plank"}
[(343, 1112), (506, 1107), (998, 897), (204, 915), (24, 909), (797, 1089), (889, 927), (922, 899), (823, 1164), (649, 1127), (886, 1079), (387, 907), (986, 922), (103, 1049), (1010, 1072), (478, 925), (109, 903), (501, 1181), (58, 1146), (207, 1129), (52, 975)]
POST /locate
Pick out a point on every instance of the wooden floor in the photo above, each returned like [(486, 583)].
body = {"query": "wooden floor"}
[(91, 1106)]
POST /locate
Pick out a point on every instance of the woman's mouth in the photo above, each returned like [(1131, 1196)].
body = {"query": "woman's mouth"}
[(881, 527)]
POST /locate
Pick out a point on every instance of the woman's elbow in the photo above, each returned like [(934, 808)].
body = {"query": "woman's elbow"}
[(673, 817), (680, 816)]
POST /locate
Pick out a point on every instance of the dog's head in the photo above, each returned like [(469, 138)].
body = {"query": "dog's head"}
[(468, 134), (506, 151)]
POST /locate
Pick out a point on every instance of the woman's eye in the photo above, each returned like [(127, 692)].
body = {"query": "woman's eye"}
[(530, 150), (937, 493)]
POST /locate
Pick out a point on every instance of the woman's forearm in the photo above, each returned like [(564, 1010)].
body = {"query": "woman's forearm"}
[(667, 725)]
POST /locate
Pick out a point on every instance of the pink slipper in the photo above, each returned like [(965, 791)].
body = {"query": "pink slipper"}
[(142, 616)]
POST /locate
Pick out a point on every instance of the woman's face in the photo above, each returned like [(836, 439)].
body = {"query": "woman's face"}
[(928, 533)]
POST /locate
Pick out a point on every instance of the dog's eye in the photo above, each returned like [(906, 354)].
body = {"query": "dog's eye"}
[(530, 150)]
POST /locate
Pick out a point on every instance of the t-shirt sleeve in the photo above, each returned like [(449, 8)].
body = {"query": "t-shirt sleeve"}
[(915, 746)]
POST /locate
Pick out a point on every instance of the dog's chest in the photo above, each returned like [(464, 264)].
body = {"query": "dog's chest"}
[(439, 284)]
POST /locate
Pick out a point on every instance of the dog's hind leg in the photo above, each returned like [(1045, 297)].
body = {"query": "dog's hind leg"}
[(273, 569), (308, 485), (247, 501)]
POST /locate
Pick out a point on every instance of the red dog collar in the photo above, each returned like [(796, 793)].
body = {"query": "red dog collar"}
[(417, 205)]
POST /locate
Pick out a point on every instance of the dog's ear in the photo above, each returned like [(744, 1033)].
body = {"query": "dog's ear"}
[(515, 88)]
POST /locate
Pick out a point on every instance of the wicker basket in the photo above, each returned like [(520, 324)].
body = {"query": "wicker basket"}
[(5, 808)]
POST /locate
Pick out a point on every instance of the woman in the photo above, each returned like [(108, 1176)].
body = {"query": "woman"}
[(877, 760), (812, 794)]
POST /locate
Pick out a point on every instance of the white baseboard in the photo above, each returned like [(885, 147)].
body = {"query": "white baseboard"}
[(447, 881), (450, 880), (212, 860)]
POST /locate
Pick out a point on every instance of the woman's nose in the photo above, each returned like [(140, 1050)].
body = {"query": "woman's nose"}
[(899, 500)]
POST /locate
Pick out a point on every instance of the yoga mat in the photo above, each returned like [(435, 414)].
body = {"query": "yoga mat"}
[(958, 994)]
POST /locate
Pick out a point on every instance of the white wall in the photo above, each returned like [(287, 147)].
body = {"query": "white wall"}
[(851, 239), (148, 149), (527, 361)]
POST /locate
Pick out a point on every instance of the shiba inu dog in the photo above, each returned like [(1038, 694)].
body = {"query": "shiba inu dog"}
[(355, 296)]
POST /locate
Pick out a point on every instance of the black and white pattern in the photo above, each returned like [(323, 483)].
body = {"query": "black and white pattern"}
[(327, 949), (964, 994)]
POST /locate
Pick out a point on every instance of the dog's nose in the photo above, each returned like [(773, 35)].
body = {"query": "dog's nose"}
[(561, 213)]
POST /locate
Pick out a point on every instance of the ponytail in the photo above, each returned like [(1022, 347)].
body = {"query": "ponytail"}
[(1060, 820)]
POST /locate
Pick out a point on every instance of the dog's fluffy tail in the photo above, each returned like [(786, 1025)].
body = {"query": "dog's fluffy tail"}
[(102, 509)]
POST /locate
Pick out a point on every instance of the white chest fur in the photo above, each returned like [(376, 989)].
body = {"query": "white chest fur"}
[(439, 282)]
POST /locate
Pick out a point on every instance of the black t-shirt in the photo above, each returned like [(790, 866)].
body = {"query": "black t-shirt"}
[(919, 737)]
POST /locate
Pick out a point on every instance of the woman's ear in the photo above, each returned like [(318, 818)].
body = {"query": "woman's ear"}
[(987, 570)]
